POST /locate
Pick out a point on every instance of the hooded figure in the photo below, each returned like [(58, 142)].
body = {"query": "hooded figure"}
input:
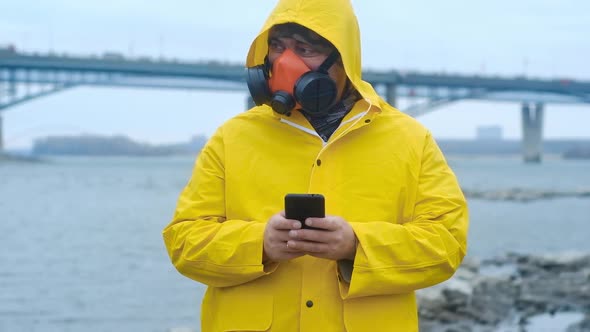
[(380, 172)]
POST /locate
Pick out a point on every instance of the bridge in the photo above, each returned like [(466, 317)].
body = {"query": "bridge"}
[(24, 77)]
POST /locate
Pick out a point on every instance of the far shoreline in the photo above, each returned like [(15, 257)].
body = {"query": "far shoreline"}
[(20, 158)]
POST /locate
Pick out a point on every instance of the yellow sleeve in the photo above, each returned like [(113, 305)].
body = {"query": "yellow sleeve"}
[(400, 258), (201, 243)]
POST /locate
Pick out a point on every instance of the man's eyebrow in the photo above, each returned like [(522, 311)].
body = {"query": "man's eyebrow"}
[(275, 36), (273, 39), (301, 39), (316, 44)]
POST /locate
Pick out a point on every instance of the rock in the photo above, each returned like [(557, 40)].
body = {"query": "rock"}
[(583, 326), (469, 264), (493, 300), (507, 291)]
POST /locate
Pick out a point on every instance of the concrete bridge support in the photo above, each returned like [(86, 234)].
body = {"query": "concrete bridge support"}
[(532, 132), (1, 136), (391, 94)]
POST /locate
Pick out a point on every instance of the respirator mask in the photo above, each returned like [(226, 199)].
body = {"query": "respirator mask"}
[(291, 84)]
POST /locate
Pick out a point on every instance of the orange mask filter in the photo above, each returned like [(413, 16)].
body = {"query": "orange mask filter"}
[(286, 70)]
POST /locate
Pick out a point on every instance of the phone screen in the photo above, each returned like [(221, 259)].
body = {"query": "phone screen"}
[(302, 206)]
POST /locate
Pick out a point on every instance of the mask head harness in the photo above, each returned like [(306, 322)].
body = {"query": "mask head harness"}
[(291, 84)]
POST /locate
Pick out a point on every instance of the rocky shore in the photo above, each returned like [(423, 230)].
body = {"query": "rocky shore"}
[(509, 294), (524, 195)]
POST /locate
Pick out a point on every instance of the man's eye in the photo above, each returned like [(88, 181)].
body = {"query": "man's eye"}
[(275, 46), (306, 51)]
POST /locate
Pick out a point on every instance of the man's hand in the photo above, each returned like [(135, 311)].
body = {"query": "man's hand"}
[(276, 235), (335, 238)]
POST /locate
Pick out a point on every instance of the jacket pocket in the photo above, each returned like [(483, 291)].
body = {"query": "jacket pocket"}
[(244, 308), (381, 313)]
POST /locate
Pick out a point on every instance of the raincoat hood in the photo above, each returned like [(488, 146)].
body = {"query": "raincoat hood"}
[(332, 19)]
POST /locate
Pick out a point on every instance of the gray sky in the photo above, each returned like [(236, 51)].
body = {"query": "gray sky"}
[(542, 38)]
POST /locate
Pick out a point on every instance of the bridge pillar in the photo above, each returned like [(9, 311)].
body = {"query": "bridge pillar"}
[(532, 132), (12, 82), (1, 136), (391, 94)]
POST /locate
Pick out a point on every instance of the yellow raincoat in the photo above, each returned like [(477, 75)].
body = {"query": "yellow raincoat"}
[(381, 171)]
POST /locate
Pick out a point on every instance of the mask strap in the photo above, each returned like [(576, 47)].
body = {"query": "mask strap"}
[(330, 60), (267, 66)]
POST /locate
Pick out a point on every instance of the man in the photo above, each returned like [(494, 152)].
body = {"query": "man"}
[(396, 218)]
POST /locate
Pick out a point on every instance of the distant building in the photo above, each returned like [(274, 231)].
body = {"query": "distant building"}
[(489, 133)]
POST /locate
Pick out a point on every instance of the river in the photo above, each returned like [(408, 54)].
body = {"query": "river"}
[(81, 246)]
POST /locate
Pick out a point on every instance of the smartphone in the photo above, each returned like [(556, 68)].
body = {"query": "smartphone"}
[(302, 206)]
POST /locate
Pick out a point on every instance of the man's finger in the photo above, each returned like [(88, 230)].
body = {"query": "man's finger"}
[(290, 249), (280, 236), (306, 246), (285, 224), (327, 223), (312, 235)]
